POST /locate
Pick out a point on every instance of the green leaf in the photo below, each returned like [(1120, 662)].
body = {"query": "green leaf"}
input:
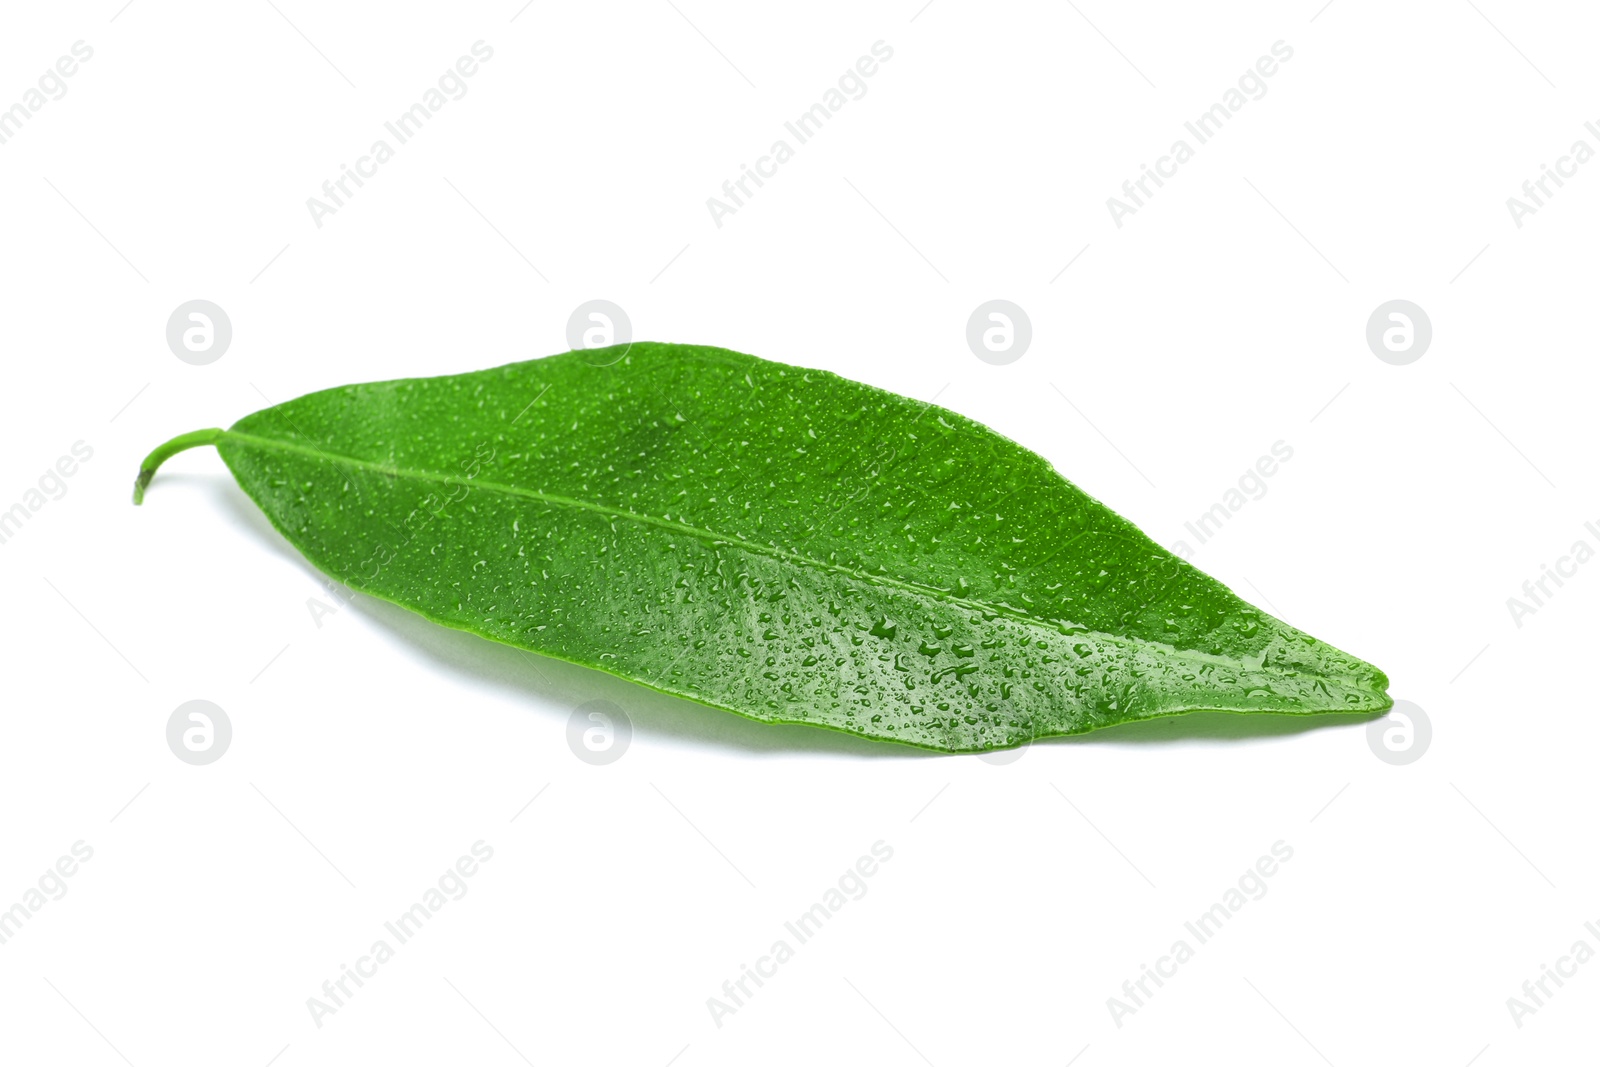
[(769, 540)]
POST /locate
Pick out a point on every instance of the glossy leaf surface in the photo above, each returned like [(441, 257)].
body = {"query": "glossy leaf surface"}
[(777, 542)]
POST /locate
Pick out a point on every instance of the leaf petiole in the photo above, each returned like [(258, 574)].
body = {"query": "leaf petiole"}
[(181, 443)]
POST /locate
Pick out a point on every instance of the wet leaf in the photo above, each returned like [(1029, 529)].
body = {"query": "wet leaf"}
[(773, 541)]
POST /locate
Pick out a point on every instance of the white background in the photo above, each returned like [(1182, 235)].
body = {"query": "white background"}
[(371, 751)]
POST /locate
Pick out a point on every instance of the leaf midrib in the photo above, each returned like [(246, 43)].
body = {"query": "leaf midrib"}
[(755, 548)]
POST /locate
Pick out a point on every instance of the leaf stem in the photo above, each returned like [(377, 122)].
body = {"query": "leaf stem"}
[(181, 443)]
